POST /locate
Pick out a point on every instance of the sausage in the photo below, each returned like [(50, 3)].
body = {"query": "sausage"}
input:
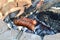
[(24, 23), (34, 22)]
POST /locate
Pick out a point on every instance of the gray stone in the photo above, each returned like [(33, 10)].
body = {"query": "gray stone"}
[(3, 26), (8, 35), (52, 37), (5, 33), (29, 36)]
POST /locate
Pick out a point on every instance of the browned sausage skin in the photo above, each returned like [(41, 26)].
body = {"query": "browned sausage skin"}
[(24, 23), (34, 22)]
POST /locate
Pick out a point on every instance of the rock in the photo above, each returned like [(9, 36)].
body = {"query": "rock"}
[(3, 26), (52, 37), (8, 35), (29, 36)]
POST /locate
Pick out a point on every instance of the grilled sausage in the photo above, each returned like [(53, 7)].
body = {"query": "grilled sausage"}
[(24, 23), (34, 22)]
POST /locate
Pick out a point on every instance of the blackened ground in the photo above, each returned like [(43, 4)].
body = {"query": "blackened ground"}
[(50, 18)]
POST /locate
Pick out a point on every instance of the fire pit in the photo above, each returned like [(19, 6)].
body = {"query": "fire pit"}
[(46, 24)]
